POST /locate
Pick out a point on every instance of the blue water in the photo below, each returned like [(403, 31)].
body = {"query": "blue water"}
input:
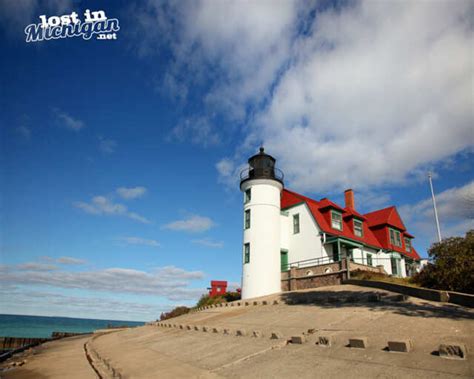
[(42, 327)]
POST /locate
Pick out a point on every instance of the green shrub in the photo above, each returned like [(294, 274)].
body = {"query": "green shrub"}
[(453, 265), (178, 311)]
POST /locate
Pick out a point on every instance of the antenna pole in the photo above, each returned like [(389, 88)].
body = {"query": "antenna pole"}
[(434, 207)]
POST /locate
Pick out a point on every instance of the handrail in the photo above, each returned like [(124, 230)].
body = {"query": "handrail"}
[(270, 173)]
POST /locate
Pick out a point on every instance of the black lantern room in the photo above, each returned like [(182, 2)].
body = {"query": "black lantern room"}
[(261, 166)]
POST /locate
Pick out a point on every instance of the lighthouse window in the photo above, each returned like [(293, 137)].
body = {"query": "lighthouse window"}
[(336, 220), (247, 219), (246, 253), (248, 195), (296, 223)]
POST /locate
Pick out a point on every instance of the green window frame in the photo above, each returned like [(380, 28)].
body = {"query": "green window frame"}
[(407, 244), (247, 219), (358, 228), (246, 253), (248, 195), (296, 223), (369, 260), (395, 237), (336, 220)]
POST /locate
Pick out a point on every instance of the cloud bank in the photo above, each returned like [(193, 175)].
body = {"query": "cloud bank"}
[(365, 94)]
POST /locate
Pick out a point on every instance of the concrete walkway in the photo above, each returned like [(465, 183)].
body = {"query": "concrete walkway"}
[(177, 350)]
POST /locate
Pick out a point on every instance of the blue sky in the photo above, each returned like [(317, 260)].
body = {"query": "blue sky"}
[(120, 158)]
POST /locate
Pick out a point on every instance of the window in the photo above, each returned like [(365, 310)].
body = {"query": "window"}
[(369, 260), (407, 244), (336, 220), (358, 230), (296, 223), (395, 238), (248, 195), (394, 264), (247, 219), (246, 253)]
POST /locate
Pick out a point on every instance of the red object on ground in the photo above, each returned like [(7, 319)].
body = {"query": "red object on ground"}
[(218, 287)]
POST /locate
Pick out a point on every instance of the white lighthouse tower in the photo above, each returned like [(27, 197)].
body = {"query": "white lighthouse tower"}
[(261, 184)]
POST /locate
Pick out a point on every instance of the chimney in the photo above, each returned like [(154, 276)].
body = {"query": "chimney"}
[(349, 198)]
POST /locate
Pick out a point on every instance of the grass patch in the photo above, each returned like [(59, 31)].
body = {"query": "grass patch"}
[(379, 277)]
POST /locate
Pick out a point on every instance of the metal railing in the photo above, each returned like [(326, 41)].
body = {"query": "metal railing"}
[(308, 263), (261, 173)]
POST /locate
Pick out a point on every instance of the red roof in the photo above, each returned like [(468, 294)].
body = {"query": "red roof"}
[(386, 216), (374, 220)]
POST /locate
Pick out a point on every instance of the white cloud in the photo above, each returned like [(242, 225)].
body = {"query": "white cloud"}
[(101, 205), (207, 242), (24, 131), (455, 210), (70, 261), (35, 266), (131, 193), (193, 224), (24, 301), (197, 130), (67, 121), (364, 95), (140, 241), (107, 146), (16, 14), (170, 282)]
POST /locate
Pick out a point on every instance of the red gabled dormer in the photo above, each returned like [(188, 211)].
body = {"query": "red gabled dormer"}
[(389, 229)]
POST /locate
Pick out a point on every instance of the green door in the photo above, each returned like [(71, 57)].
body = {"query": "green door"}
[(284, 260)]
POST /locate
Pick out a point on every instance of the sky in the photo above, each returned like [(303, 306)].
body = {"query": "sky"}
[(120, 158)]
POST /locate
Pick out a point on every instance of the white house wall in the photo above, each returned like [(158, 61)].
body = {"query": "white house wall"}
[(307, 243), (284, 232)]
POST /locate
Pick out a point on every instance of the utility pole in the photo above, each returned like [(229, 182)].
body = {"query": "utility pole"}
[(434, 207)]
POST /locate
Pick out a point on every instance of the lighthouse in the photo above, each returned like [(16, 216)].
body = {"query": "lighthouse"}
[(261, 184)]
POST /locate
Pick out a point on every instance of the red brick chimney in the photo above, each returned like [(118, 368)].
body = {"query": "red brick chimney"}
[(349, 198)]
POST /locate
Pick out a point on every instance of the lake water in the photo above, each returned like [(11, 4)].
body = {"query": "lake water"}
[(42, 327)]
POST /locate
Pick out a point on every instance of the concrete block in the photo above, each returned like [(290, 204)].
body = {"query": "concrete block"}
[(452, 350), (216, 330), (400, 346), (299, 340), (241, 333), (358, 342), (276, 336), (257, 334), (325, 341)]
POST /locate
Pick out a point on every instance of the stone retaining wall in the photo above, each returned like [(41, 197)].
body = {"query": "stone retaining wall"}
[(312, 277), (464, 299)]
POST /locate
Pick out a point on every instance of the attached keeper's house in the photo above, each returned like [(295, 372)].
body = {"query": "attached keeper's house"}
[(285, 230)]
